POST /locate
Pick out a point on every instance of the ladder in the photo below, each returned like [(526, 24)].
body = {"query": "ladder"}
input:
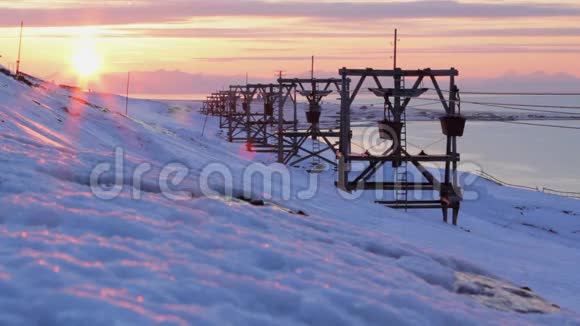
[(315, 149), (317, 166), (402, 172)]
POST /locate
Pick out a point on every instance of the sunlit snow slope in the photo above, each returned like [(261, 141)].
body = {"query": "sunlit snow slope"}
[(70, 258)]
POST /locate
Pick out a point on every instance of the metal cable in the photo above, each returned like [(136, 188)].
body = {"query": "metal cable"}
[(540, 125), (507, 104), (514, 93)]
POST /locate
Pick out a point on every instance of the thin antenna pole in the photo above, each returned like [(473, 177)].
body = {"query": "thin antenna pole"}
[(395, 51), (247, 79), (312, 68), (312, 75), (127, 97), (19, 48)]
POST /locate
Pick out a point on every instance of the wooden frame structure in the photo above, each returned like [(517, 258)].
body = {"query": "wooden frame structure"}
[(221, 100), (230, 115), (449, 191), (259, 127), (211, 105), (314, 90)]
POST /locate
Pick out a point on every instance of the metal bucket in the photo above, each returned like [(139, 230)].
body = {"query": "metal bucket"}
[(313, 116), (453, 125), (269, 109)]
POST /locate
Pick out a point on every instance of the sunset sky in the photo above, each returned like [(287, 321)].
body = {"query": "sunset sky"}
[(227, 38)]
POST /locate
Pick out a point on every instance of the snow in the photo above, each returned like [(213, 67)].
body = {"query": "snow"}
[(69, 257)]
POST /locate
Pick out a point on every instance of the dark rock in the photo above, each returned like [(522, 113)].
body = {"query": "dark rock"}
[(257, 202)]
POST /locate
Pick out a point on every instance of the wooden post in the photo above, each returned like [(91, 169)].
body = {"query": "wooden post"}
[(280, 121), (127, 94), (312, 69), (397, 116), (395, 51), (19, 49), (220, 110), (452, 106), (295, 110), (456, 189), (344, 141), (248, 118), (268, 98)]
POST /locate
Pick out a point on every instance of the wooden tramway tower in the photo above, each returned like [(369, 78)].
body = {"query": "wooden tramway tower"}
[(314, 90), (210, 105), (217, 106), (231, 115), (236, 115), (259, 126), (207, 105), (393, 128), (221, 99)]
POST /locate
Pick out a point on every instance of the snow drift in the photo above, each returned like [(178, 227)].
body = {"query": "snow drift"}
[(69, 257)]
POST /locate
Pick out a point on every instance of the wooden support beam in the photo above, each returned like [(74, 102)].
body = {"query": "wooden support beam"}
[(308, 80), (311, 154), (356, 90), (392, 158), (399, 72), (309, 134), (440, 93), (416, 186)]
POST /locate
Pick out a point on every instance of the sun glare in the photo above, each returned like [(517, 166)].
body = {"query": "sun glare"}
[(86, 60)]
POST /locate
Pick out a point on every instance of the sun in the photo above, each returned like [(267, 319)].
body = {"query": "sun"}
[(86, 60)]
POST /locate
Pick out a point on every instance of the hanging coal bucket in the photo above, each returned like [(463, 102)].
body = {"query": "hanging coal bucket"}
[(453, 125), (313, 117), (269, 109)]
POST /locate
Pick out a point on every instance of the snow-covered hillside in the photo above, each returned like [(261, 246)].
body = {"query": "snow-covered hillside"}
[(72, 254)]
